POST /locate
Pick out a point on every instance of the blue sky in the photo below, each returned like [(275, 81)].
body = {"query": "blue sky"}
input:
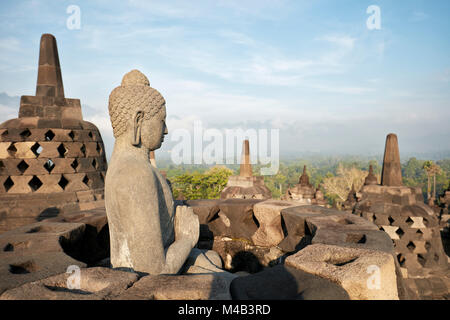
[(310, 68)]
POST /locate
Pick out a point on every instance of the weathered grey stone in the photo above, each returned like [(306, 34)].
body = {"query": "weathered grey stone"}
[(242, 255), (364, 274), (207, 259), (285, 283), (268, 215), (213, 286), (94, 284), (205, 209), (146, 233), (235, 218), (296, 231)]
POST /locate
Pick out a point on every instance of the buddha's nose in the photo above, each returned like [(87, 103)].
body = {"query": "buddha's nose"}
[(166, 131)]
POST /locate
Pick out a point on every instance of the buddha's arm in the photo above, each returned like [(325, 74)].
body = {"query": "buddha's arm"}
[(176, 255)]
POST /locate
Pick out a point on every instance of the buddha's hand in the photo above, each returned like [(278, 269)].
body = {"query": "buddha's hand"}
[(186, 225)]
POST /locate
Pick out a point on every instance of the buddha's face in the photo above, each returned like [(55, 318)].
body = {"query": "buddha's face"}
[(153, 131)]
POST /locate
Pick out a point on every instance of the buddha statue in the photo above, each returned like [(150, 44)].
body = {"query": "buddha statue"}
[(147, 234)]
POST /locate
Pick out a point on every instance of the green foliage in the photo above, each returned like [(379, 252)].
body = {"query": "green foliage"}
[(198, 185)]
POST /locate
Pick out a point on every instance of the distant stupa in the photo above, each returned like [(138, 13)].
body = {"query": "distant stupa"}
[(245, 185)]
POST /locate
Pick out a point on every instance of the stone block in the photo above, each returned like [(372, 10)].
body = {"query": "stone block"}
[(204, 209), (50, 183), (364, 274), (74, 149), (70, 123), (295, 229), (21, 184), (85, 196), (94, 284), (50, 149), (182, 287), (52, 112), (364, 239), (49, 123), (71, 112), (76, 182), (285, 283), (268, 214), (24, 150), (63, 165), (346, 221), (234, 219)]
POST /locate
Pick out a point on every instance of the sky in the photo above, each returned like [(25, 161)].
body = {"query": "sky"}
[(310, 68)]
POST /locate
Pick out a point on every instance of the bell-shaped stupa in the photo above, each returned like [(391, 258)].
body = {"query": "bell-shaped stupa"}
[(400, 212), (51, 161)]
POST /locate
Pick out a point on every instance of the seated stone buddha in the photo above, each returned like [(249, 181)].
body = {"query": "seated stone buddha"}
[(147, 234)]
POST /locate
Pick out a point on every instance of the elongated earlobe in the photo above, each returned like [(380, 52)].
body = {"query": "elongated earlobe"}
[(137, 122)]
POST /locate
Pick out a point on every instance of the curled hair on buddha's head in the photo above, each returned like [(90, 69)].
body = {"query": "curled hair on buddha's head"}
[(133, 95)]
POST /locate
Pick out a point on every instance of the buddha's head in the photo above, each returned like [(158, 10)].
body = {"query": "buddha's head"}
[(138, 111)]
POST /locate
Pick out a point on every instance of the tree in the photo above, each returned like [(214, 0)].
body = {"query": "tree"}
[(427, 167), (196, 185), (434, 170), (338, 187)]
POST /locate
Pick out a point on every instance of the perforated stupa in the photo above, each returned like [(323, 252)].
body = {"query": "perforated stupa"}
[(51, 161)]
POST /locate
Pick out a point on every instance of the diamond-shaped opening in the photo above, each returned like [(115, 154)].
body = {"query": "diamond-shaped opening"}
[(409, 221), (99, 149), (49, 165), (401, 259), (12, 150), (74, 164), (8, 247), (411, 246), (25, 133), (421, 259), (94, 163), (83, 149), (37, 149), (391, 220), (49, 135), (400, 232), (35, 183), (86, 180), (62, 150), (8, 184), (5, 133), (63, 182), (71, 134), (427, 245), (90, 135), (22, 166), (419, 232)]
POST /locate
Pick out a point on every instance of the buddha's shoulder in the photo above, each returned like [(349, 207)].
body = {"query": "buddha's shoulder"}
[(129, 168)]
